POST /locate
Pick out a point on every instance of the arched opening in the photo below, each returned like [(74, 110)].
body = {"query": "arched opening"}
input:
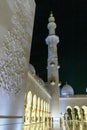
[(34, 110), (29, 98), (69, 112), (84, 113), (28, 108), (77, 113)]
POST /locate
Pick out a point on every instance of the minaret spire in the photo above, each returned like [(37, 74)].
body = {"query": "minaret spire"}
[(53, 74), (51, 25)]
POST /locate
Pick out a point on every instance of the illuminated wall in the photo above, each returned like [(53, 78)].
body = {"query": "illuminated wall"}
[(16, 27), (37, 100)]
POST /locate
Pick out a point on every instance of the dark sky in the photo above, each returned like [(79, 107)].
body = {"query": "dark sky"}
[(71, 20)]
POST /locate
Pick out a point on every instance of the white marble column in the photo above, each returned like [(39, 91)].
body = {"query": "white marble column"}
[(16, 26)]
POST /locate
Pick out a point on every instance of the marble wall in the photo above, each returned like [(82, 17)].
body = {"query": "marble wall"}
[(16, 27)]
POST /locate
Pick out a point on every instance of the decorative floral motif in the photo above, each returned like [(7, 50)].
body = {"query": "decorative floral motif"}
[(14, 53)]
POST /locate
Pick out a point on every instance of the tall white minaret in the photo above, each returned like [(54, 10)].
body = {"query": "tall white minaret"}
[(53, 74)]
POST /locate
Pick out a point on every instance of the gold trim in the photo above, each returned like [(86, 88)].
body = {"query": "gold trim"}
[(11, 116)]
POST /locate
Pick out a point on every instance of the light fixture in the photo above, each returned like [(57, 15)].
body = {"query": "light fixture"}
[(52, 64), (58, 66), (52, 82), (59, 84)]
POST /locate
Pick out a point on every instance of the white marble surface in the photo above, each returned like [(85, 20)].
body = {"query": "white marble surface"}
[(16, 27)]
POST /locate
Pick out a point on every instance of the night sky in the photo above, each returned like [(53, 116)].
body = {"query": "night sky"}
[(71, 19)]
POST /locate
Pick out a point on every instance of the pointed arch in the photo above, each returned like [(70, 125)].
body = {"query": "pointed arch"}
[(29, 98), (34, 100), (68, 107)]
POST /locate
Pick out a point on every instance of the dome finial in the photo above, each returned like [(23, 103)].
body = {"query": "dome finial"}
[(51, 18), (51, 14)]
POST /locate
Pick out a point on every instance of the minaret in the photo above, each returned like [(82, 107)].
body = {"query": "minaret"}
[(53, 74)]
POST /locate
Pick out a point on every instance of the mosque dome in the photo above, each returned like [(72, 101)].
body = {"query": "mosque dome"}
[(32, 69), (67, 90)]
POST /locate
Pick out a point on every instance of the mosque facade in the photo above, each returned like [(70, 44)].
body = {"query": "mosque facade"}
[(58, 101), (25, 97)]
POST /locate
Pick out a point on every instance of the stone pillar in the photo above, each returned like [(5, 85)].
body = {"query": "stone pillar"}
[(28, 113), (44, 111), (34, 114), (38, 115), (38, 110), (41, 112), (16, 26)]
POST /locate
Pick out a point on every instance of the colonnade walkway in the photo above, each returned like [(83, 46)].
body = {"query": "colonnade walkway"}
[(43, 126), (66, 125), (74, 125)]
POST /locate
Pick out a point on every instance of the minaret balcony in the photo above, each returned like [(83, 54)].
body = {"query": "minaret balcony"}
[(52, 39), (53, 64)]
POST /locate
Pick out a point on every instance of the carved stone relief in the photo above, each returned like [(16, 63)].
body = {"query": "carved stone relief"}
[(15, 49)]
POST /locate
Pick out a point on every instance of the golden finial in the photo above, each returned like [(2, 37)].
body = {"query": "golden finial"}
[(51, 18), (51, 14)]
